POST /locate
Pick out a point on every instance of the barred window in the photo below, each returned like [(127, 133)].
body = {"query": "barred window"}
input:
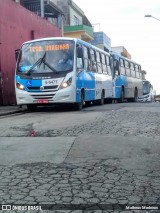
[(99, 66), (104, 67)]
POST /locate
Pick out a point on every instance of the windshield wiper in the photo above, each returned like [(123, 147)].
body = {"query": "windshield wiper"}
[(49, 66), (37, 63)]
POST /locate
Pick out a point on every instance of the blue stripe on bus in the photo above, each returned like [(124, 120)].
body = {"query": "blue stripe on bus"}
[(121, 81), (29, 83), (86, 80)]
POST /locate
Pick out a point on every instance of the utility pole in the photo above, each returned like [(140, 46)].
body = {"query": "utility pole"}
[(150, 16), (42, 8)]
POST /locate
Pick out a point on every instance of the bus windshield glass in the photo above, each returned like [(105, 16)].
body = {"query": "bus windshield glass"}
[(46, 56), (146, 87)]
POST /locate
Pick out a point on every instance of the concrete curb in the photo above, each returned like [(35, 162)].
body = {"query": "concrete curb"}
[(10, 113), (4, 111)]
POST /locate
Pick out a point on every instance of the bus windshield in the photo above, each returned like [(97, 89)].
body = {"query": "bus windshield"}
[(46, 56), (146, 87)]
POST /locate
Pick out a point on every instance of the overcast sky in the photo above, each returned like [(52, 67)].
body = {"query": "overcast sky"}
[(124, 23)]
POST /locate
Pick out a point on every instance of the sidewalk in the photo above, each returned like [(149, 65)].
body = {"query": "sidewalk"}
[(9, 110)]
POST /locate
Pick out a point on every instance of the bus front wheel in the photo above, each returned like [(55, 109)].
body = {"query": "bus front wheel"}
[(79, 105)]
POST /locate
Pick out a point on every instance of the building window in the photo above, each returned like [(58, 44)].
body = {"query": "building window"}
[(76, 20)]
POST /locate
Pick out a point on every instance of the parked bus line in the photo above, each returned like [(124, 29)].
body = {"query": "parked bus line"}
[(148, 93), (127, 79), (62, 71)]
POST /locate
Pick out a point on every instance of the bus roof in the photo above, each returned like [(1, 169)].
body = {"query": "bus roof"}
[(67, 38), (49, 38), (120, 56)]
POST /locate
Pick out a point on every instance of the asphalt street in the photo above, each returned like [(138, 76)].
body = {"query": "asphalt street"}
[(110, 157)]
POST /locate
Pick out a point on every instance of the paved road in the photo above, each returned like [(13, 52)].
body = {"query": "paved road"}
[(103, 155)]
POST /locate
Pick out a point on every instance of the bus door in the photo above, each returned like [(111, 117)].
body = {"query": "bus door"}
[(89, 74), (115, 77), (79, 71)]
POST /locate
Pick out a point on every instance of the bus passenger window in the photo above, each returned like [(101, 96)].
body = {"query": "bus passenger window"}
[(104, 67), (128, 72), (136, 68), (137, 72), (79, 63), (122, 68), (86, 58), (137, 75), (79, 52), (79, 58), (140, 75), (139, 68), (108, 65), (99, 66), (133, 74), (93, 62)]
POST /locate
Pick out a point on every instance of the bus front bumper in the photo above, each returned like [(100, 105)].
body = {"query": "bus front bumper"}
[(144, 98), (60, 96)]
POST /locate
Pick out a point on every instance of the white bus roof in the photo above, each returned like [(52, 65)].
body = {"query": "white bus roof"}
[(66, 38), (50, 38)]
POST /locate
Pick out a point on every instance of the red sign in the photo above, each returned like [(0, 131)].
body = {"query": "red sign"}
[(42, 101)]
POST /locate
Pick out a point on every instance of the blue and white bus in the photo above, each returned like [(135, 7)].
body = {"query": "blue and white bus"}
[(127, 79), (62, 71), (148, 93)]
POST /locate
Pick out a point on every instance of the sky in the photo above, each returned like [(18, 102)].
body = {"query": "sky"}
[(124, 23)]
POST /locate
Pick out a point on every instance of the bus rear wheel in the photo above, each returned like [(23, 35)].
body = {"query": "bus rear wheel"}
[(102, 98), (135, 99), (101, 101), (121, 100)]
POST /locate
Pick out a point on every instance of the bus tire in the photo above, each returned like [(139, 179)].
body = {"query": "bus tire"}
[(79, 105), (31, 107), (101, 101), (121, 100), (88, 103), (108, 101), (135, 99)]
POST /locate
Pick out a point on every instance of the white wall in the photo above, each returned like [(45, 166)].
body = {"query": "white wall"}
[(72, 19)]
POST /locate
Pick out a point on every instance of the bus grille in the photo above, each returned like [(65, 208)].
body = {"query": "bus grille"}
[(41, 96), (44, 88)]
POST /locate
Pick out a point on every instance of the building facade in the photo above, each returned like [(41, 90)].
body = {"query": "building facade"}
[(122, 51), (76, 24), (101, 40), (45, 9)]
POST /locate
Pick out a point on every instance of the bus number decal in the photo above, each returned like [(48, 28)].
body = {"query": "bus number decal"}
[(49, 82)]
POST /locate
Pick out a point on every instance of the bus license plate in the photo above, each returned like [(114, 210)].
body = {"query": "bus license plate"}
[(42, 101)]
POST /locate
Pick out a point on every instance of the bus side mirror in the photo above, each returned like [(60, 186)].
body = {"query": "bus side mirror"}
[(116, 65), (17, 53), (79, 52)]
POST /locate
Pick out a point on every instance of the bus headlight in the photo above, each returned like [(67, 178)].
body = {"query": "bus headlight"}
[(20, 86), (66, 84)]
